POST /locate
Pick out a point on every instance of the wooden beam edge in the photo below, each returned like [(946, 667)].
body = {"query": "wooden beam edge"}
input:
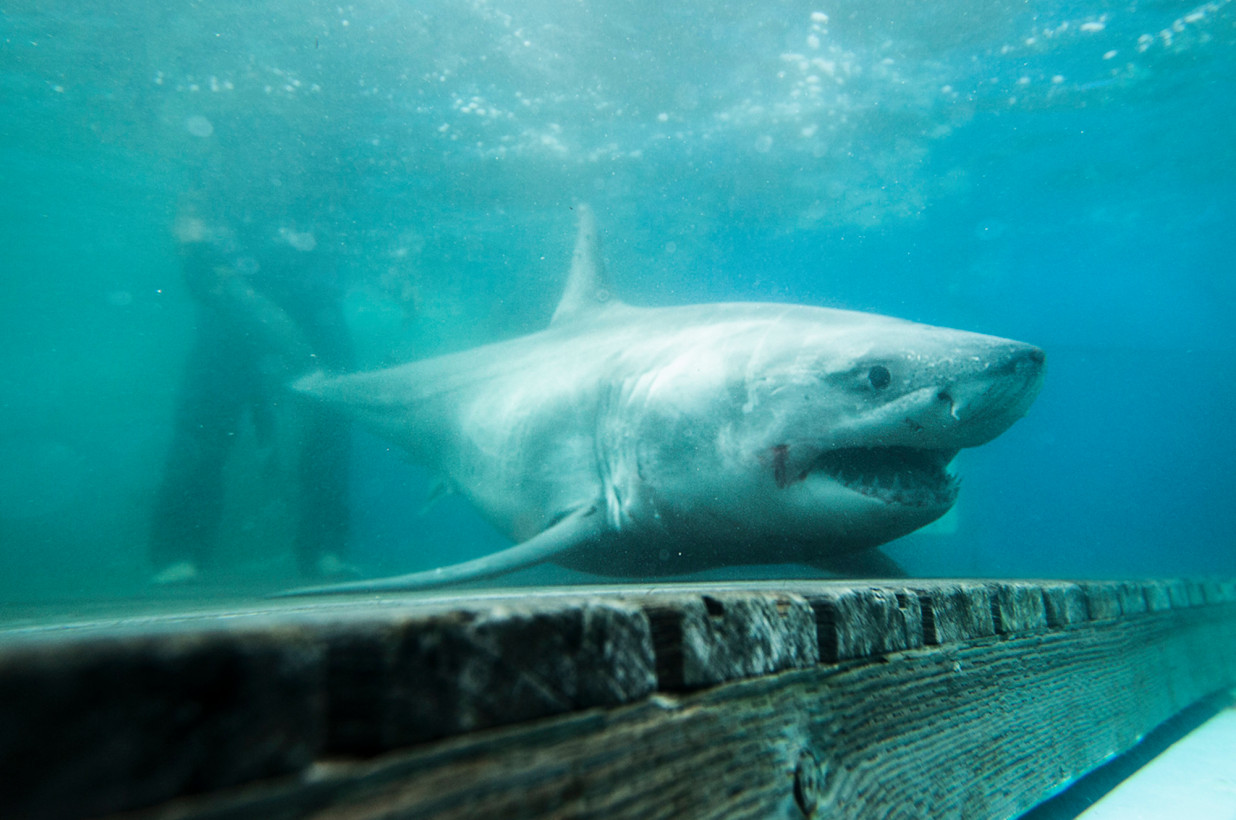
[(142, 718)]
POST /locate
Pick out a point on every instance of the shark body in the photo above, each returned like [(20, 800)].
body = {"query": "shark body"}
[(643, 442)]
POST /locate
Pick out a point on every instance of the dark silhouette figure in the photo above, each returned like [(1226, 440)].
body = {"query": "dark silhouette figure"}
[(264, 316)]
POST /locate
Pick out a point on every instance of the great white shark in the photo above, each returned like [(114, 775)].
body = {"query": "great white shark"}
[(641, 442)]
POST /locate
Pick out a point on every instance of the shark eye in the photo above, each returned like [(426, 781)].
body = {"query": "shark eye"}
[(879, 377)]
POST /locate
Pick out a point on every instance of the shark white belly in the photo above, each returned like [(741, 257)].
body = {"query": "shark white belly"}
[(641, 442)]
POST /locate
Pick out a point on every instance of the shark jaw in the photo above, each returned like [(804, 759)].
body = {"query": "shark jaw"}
[(897, 476)]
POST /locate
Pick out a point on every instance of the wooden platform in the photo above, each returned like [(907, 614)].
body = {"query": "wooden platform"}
[(933, 699)]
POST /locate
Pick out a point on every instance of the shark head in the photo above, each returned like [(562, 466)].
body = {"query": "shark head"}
[(824, 427)]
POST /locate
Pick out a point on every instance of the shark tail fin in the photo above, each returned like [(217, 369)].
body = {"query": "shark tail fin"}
[(588, 289), (577, 529)]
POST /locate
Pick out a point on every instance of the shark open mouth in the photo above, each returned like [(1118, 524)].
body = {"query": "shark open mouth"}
[(895, 475)]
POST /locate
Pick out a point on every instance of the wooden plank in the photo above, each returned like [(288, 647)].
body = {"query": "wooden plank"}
[(706, 639), (1064, 604), (1102, 600), (97, 724), (954, 612), (1017, 607), (932, 698), (863, 622), (399, 678)]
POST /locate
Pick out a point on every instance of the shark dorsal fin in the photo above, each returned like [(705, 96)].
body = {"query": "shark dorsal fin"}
[(587, 289)]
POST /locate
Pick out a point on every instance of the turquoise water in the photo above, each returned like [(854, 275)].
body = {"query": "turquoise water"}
[(1059, 173)]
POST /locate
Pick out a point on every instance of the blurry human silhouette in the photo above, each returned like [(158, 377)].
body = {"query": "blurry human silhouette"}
[(267, 310)]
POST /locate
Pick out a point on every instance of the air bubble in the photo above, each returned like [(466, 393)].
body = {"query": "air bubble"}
[(199, 126)]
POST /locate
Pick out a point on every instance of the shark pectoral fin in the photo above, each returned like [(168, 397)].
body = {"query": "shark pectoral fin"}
[(573, 530), (869, 563)]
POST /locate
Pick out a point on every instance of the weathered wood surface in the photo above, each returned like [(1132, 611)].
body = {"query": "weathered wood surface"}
[(894, 699)]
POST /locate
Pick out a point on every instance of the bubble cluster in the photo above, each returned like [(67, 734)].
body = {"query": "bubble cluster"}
[(300, 240), (849, 96), (1184, 29), (199, 126)]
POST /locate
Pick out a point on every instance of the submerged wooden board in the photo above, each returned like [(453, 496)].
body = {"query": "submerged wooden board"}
[(900, 699)]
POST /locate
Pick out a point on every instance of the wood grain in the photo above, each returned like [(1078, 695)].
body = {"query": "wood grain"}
[(973, 699)]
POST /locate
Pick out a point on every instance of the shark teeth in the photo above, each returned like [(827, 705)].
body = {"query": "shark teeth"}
[(904, 476)]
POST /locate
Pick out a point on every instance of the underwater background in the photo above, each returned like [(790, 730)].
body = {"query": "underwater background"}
[(1058, 173)]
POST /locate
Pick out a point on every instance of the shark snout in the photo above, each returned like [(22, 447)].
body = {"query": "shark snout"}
[(1026, 360), (1022, 369), (986, 401), (969, 397)]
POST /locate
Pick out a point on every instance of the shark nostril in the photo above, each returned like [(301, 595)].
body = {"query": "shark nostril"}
[(944, 395), (1037, 356)]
